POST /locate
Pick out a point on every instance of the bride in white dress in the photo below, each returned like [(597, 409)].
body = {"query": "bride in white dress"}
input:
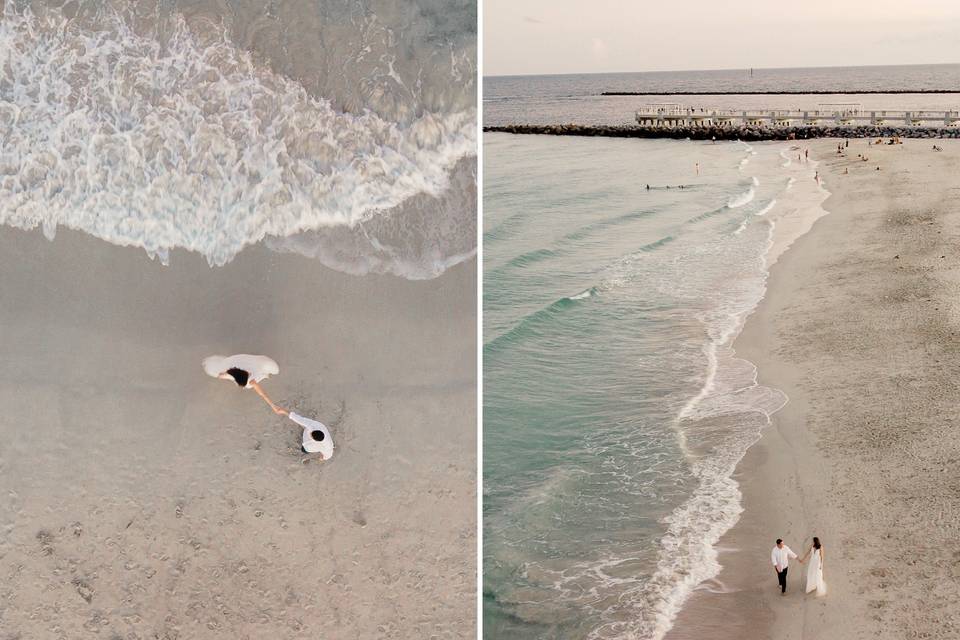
[(815, 568)]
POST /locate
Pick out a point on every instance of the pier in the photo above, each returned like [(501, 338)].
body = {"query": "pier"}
[(673, 115)]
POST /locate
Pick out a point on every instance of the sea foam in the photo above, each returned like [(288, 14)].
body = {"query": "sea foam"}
[(766, 209), (741, 199), (191, 144)]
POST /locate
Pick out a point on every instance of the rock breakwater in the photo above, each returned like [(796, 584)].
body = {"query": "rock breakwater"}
[(741, 132)]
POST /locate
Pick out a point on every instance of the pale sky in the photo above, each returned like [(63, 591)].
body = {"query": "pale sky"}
[(587, 36)]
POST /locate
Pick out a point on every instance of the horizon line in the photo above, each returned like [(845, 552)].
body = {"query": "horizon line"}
[(838, 66)]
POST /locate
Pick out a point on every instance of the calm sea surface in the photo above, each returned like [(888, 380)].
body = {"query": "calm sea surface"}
[(576, 98)]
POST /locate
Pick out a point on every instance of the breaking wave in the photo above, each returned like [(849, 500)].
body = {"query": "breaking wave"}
[(190, 143)]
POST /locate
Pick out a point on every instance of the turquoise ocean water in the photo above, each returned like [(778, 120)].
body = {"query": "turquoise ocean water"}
[(615, 409)]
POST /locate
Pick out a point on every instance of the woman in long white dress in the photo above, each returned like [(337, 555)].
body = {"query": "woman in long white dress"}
[(815, 568), (247, 371)]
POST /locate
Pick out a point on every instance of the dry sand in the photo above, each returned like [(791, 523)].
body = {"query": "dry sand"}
[(861, 328), (140, 498)]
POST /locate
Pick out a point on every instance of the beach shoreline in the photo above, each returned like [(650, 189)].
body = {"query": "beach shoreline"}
[(855, 328), (144, 498)]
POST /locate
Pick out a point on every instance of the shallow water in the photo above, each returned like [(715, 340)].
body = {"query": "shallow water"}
[(342, 131), (615, 409)]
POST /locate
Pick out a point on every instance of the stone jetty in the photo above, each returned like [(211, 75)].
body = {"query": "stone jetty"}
[(738, 132), (798, 92)]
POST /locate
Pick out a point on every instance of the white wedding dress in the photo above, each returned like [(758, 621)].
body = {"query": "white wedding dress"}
[(815, 574)]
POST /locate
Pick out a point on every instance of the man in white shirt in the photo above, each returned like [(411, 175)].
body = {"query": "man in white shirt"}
[(780, 556)]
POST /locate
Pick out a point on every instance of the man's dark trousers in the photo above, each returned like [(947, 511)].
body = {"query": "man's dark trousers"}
[(782, 579)]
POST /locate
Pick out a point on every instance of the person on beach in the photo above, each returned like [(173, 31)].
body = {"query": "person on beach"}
[(780, 557), (247, 371), (815, 569)]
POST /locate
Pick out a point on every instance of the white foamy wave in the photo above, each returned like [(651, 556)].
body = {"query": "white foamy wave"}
[(583, 294), (715, 428), (746, 159), (743, 225), (730, 390), (193, 145), (420, 239), (688, 553), (624, 591), (764, 211), (741, 199), (710, 512), (786, 159)]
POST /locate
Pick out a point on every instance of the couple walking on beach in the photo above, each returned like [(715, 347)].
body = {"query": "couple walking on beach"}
[(780, 556)]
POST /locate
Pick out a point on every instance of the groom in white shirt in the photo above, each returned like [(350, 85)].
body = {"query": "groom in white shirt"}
[(780, 556)]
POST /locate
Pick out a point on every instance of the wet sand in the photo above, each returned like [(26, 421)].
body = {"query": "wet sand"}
[(861, 328), (143, 499)]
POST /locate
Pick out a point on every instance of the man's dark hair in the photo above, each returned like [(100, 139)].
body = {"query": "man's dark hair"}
[(239, 375), (779, 540), (317, 435)]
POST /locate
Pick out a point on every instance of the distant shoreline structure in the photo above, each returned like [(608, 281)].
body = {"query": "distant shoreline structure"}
[(743, 132), (806, 92)]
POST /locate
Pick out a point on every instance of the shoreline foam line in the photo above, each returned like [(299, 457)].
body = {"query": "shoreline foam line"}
[(103, 135), (716, 475), (743, 198)]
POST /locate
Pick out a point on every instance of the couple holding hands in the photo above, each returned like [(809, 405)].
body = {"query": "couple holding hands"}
[(780, 557)]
